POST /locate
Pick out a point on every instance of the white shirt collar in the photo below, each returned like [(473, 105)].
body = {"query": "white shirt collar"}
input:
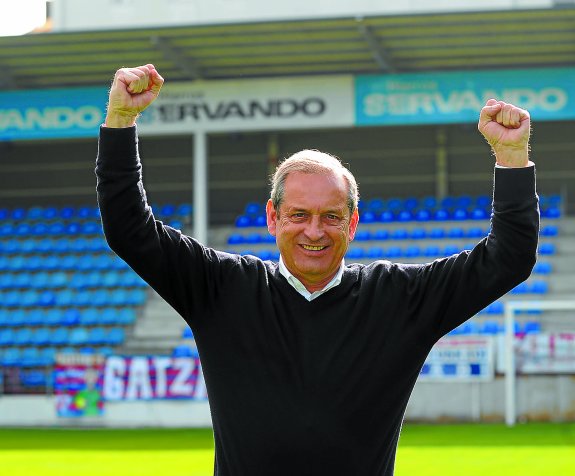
[(300, 288)]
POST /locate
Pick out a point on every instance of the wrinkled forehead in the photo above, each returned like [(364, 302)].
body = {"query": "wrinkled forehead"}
[(316, 190)]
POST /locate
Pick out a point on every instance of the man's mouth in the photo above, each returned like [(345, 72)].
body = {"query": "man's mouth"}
[(313, 248)]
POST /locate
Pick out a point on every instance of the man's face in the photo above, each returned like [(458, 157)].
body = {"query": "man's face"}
[(313, 227)]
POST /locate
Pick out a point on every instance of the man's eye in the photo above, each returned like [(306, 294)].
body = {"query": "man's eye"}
[(332, 217)]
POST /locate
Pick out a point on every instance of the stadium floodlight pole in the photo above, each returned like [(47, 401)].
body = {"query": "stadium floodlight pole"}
[(511, 308), (200, 203)]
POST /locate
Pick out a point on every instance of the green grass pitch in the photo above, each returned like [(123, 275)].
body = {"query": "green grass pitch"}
[(534, 449)]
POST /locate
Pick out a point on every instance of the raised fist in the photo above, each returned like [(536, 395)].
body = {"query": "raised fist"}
[(506, 128), (133, 90)]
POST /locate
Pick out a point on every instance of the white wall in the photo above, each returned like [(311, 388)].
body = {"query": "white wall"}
[(74, 15)]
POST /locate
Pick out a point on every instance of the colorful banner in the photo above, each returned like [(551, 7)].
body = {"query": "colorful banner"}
[(78, 385), (182, 108), (541, 353), (457, 97), (43, 114), (460, 359), (150, 378)]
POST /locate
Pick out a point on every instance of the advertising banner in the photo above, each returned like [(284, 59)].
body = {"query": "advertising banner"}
[(541, 353), (153, 377), (78, 385), (259, 104), (43, 114), (457, 97), (183, 108), (460, 359)]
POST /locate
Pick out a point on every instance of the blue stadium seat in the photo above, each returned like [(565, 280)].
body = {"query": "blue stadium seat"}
[(423, 215), (54, 317), (436, 233), (97, 336), (30, 357), (405, 216), (89, 317), (78, 336), (109, 316), (59, 336), (387, 216), (35, 318), (187, 333), (23, 336), (431, 251), (355, 253), (551, 213), (71, 317), (11, 357), (412, 252), (539, 287), (532, 327), (429, 202), (368, 217), (243, 221), (399, 234), (362, 235), (136, 297), (546, 249), (393, 252), (455, 232), (126, 316), (264, 255), (491, 327), (542, 267), (460, 214), (182, 350), (41, 336), (6, 337), (549, 230), (116, 336), (235, 239), (418, 234), (521, 288), (375, 252), (380, 235)]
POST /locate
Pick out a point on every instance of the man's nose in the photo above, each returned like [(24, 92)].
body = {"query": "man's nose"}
[(314, 229)]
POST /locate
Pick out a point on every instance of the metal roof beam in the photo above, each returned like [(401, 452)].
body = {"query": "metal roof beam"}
[(173, 54), (379, 54), (7, 80)]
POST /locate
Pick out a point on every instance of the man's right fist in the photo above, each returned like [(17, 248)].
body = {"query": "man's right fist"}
[(133, 90)]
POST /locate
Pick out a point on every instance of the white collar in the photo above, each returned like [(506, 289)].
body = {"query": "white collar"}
[(300, 288)]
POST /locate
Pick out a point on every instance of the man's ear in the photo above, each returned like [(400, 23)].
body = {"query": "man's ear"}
[(353, 222), (271, 216)]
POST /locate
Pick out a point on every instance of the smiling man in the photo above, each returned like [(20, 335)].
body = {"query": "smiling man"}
[(309, 363), (313, 214)]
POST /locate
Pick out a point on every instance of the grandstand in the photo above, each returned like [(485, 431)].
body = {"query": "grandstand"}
[(424, 178)]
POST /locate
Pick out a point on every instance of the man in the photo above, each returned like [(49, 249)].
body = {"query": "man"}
[(309, 363)]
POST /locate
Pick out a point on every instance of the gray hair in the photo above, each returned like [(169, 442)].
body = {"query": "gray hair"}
[(312, 162)]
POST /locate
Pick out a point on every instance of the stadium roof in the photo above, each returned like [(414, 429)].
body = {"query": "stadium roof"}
[(384, 44)]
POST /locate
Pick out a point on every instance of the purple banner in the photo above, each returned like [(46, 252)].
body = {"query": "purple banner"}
[(153, 377)]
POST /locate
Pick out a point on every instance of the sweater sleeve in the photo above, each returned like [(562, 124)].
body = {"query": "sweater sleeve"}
[(451, 290), (184, 272)]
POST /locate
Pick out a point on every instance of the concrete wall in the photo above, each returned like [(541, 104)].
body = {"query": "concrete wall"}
[(88, 15), (540, 398)]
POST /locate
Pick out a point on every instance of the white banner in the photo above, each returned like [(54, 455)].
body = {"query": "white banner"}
[(258, 104), (541, 353), (460, 359)]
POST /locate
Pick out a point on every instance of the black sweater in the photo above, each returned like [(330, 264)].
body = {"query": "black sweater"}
[(320, 387)]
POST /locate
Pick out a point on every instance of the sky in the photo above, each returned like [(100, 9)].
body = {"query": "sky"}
[(21, 16)]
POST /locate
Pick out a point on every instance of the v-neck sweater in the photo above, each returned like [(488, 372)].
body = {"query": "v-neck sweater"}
[(317, 387)]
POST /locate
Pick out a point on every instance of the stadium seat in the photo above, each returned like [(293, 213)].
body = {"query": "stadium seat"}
[(59, 336), (539, 287), (11, 357), (418, 234), (41, 336), (115, 336), (542, 267), (362, 235), (380, 235), (547, 249), (78, 336), (549, 230), (355, 253), (532, 327), (187, 333)]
